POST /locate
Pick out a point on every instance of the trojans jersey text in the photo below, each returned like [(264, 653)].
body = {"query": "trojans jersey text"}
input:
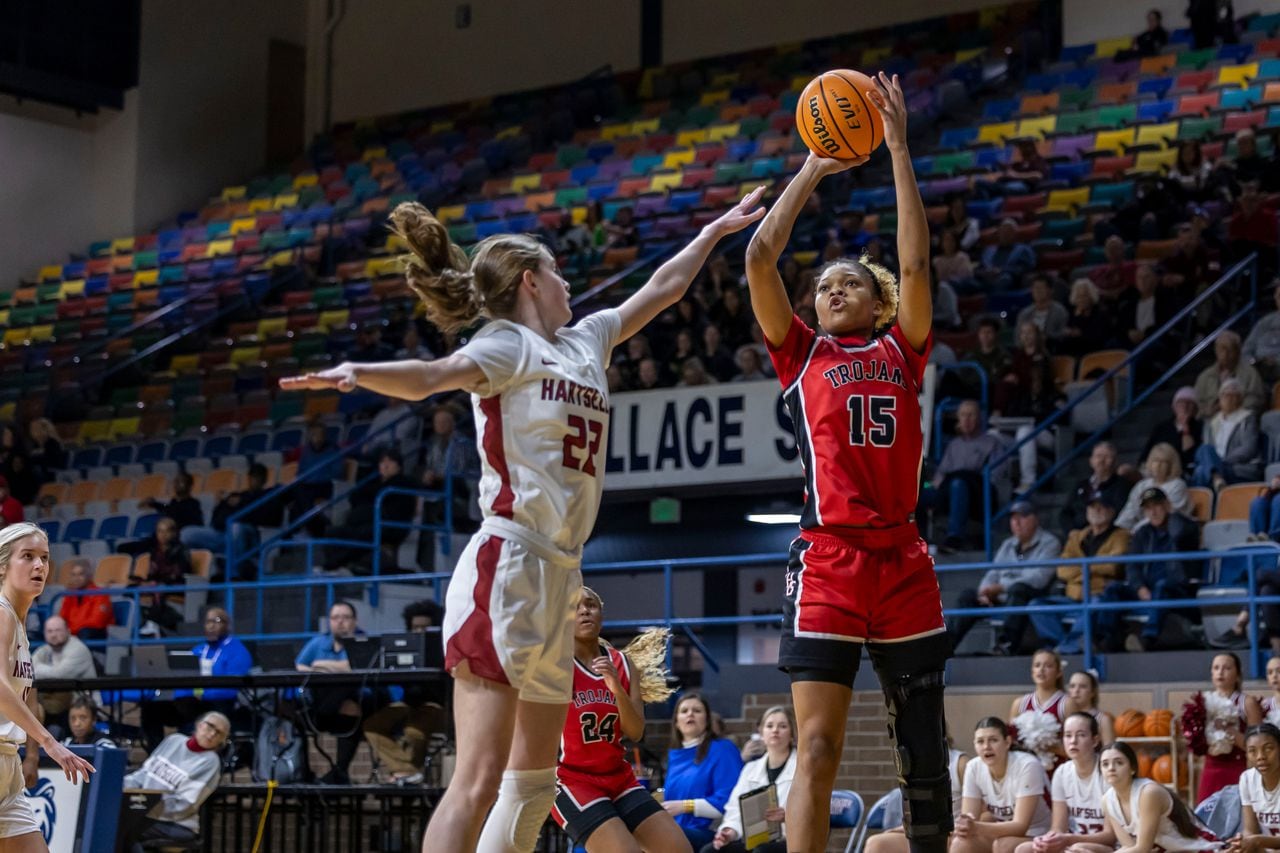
[(855, 407), (592, 739)]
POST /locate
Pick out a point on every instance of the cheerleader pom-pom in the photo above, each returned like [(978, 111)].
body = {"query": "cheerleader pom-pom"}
[(1193, 725), (1038, 733)]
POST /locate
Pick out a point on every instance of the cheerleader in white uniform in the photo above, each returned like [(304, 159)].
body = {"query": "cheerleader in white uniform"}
[(1006, 795), (24, 569), (1271, 704), (1143, 814), (1048, 703), (1077, 791), (1260, 790)]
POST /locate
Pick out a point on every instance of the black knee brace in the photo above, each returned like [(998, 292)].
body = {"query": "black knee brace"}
[(912, 679)]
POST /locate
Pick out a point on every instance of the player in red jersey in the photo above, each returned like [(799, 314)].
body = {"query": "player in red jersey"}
[(599, 803), (859, 573)]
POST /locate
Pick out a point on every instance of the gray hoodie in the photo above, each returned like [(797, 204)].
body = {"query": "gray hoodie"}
[(187, 777)]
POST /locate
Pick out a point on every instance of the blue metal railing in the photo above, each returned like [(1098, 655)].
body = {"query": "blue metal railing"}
[(1255, 558), (941, 407), (1247, 268)]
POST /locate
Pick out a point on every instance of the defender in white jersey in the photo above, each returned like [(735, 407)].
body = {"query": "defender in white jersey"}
[(542, 417), (1143, 814), (1006, 793), (24, 566), (1260, 791), (1076, 792)]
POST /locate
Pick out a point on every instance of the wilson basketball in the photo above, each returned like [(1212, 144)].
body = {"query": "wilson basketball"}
[(836, 119)]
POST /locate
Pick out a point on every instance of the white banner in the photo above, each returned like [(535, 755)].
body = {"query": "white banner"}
[(56, 803), (735, 432)]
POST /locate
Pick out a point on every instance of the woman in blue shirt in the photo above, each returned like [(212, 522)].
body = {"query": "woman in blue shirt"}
[(701, 771)]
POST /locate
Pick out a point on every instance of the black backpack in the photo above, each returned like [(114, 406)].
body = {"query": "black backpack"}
[(281, 753)]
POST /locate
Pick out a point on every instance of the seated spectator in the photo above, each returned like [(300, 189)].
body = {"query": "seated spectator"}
[(683, 352), (957, 484), (337, 710), (693, 374), (702, 768), (219, 654), (1090, 324), (1116, 274), (61, 656), (402, 437), (1006, 585), (1102, 479), (1006, 261), (369, 346), (1249, 166), (11, 511), (400, 733), (1262, 346), (951, 264), (186, 768), (245, 532), (313, 488), (621, 233), (1252, 227), (1187, 270), (1152, 40), (1048, 314), (87, 616), (648, 376), (448, 451), (1183, 431), (1143, 309), (170, 564), (45, 450), (777, 767), (1028, 165), (638, 349), (715, 355), (1191, 170), (1163, 471), (733, 316), (183, 508), (1264, 517), (1166, 531), (993, 357), (359, 525), (1098, 538), (946, 306), (1028, 391), (1005, 794), (82, 724), (1231, 451), (411, 346), (750, 369), (959, 224)]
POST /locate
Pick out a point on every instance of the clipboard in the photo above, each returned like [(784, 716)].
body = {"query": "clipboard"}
[(753, 805)]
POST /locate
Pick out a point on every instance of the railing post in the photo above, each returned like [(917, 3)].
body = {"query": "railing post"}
[(377, 548), (1251, 570), (231, 560), (667, 606), (986, 508), (1086, 598)]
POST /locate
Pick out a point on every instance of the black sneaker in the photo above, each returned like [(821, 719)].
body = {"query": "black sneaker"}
[(1230, 639)]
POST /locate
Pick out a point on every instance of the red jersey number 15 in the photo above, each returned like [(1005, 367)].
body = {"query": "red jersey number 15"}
[(872, 419)]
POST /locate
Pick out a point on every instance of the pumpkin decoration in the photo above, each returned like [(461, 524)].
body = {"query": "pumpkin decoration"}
[(1131, 723), (1144, 764), (1158, 723)]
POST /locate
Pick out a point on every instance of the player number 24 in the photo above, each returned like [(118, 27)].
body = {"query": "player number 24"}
[(598, 728), (584, 434), (872, 418)]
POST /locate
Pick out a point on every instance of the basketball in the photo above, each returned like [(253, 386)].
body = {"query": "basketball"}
[(1131, 723), (836, 119), (1158, 723)]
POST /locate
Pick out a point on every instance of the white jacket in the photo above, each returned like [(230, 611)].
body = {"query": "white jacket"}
[(755, 774)]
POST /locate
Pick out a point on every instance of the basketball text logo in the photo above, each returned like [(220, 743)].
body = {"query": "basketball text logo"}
[(851, 119), (819, 128)]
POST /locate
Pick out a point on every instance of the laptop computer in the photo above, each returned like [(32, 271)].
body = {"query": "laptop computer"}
[(150, 660), (405, 651), (362, 652)]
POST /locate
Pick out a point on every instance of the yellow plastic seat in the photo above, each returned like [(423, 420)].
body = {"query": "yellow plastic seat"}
[(1114, 140), (1039, 127), (1157, 134), (997, 133)]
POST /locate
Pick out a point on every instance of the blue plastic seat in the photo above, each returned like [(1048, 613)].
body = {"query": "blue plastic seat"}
[(145, 525), (113, 527), (78, 530), (184, 449)]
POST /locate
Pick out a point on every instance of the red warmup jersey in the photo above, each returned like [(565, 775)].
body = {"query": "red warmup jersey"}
[(592, 739), (855, 407)]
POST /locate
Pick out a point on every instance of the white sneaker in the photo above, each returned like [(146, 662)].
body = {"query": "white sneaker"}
[(149, 629)]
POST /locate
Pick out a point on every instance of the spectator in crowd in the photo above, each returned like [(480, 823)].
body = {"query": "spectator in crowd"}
[(1231, 451), (1115, 274), (170, 564), (448, 451), (1098, 538), (702, 768), (1227, 365), (1203, 16), (621, 233), (1028, 389), (638, 349), (1163, 471), (411, 345), (1143, 309), (1183, 431), (1028, 165), (946, 305), (359, 525), (1103, 479), (1249, 166), (337, 710), (186, 768), (1264, 520), (1262, 346), (750, 369), (1048, 314), (184, 509), (993, 357), (952, 265), (1090, 324), (776, 767), (1007, 585), (1264, 515), (715, 355), (11, 511), (403, 436), (1191, 170), (1187, 270), (400, 733), (849, 231), (693, 374), (733, 316), (219, 654), (16, 467), (1166, 532), (61, 656), (961, 225), (1252, 227), (87, 616), (314, 487), (245, 531), (369, 347), (683, 352), (1152, 40), (957, 484), (45, 450), (82, 724), (648, 376), (1006, 261)]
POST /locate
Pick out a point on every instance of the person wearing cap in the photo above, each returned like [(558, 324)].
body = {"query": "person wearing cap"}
[(1162, 470), (1231, 451), (1100, 537), (1008, 585), (1228, 365), (1103, 480), (957, 484), (1262, 346), (1183, 431), (1165, 531), (359, 525), (1006, 261), (11, 511)]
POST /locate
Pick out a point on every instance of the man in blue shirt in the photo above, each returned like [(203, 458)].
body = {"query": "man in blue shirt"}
[(1005, 262), (337, 710)]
